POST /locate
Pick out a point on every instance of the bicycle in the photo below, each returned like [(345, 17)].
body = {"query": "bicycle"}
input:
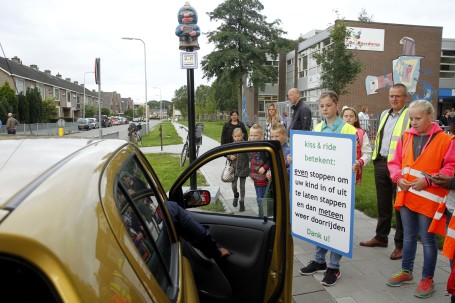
[(186, 146)]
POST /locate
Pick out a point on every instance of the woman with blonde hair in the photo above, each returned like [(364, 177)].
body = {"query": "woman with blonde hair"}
[(273, 116), (423, 151)]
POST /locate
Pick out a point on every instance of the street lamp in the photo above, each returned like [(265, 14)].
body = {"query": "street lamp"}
[(84, 92), (145, 72), (161, 111)]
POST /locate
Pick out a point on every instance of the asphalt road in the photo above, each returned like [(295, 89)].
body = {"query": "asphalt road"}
[(122, 131)]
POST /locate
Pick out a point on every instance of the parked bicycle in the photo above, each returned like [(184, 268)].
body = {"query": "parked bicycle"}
[(134, 135), (186, 147)]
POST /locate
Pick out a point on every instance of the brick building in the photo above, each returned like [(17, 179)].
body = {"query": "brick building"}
[(390, 53)]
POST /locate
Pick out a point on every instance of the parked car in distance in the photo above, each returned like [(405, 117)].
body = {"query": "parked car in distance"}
[(93, 123), (87, 220), (83, 123), (115, 121), (105, 121)]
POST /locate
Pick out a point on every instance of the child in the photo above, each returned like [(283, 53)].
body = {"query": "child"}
[(259, 167), (332, 123), (363, 142), (240, 162), (424, 148), (278, 132)]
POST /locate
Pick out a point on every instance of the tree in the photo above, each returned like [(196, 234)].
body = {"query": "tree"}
[(23, 109), (105, 111), (9, 100), (180, 100), (363, 16), (242, 43), (35, 106), (91, 110), (202, 95), (339, 65), (49, 109)]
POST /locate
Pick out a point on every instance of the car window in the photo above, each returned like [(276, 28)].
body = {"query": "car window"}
[(141, 215), (250, 194)]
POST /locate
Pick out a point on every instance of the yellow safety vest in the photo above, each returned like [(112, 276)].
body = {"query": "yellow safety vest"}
[(346, 129), (398, 130)]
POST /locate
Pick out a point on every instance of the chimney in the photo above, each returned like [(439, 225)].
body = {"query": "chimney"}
[(82, 84), (47, 72), (68, 79), (17, 60), (59, 76), (34, 66), (75, 82)]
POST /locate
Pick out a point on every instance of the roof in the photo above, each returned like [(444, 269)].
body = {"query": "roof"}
[(23, 71)]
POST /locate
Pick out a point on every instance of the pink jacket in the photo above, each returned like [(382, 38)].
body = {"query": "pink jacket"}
[(395, 166)]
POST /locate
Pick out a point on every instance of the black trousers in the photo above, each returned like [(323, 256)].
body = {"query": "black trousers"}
[(385, 194)]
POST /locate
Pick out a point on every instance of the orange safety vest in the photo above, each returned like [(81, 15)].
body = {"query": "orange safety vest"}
[(438, 226), (426, 201)]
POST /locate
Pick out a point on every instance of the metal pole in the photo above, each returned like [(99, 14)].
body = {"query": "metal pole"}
[(191, 120), (85, 102), (99, 109), (145, 72)]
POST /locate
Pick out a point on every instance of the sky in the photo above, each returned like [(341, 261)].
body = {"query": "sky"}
[(66, 36)]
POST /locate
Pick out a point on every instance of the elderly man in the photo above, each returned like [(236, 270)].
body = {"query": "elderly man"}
[(392, 124), (301, 118), (11, 124)]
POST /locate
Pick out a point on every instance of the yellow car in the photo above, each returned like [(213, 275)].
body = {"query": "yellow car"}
[(75, 228)]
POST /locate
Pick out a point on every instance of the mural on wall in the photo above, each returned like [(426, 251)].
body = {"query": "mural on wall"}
[(405, 70)]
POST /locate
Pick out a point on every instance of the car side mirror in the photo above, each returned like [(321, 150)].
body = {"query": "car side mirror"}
[(196, 198)]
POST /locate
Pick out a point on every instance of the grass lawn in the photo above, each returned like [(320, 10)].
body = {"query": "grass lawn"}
[(167, 167), (170, 136), (211, 129)]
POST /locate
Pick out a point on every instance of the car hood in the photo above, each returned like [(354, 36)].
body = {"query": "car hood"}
[(22, 161)]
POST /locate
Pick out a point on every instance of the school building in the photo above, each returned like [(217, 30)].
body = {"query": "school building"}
[(414, 55)]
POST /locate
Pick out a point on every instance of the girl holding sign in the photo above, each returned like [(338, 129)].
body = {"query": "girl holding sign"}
[(331, 123), (363, 150), (423, 151)]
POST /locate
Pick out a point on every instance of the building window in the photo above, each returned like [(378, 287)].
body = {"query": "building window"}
[(68, 96), (40, 88), (57, 94), (20, 86)]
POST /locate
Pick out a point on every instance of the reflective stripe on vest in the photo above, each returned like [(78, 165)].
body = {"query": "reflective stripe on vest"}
[(400, 126), (430, 160)]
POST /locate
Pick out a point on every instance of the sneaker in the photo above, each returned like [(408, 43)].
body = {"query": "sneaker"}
[(425, 288), (404, 276), (331, 276), (313, 267)]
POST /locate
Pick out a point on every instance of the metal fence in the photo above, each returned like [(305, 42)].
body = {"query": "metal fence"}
[(50, 129)]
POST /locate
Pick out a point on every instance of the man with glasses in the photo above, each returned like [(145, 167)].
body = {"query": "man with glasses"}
[(392, 124), (301, 117)]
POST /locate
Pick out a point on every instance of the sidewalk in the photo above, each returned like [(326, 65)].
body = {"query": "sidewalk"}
[(363, 278)]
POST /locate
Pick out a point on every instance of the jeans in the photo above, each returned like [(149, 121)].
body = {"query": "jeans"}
[(335, 258), (413, 225), (260, 191)]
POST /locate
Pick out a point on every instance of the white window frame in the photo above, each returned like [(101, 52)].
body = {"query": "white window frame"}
[(56, 94), (20, 86), (41, 90)]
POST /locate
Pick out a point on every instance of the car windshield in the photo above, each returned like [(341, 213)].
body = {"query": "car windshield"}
[(81, 120)]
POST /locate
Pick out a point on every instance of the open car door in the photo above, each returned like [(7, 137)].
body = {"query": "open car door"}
[(250, 219)]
